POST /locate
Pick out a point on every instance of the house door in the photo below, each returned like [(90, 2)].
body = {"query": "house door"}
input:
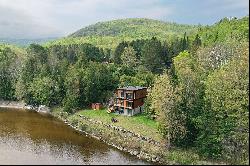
[(129, 112)]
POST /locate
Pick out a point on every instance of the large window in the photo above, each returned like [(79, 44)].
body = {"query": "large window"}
[(129, 95), (129, 104)]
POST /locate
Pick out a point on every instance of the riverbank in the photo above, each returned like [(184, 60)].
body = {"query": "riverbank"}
[(12, 104), (134, 143), (116, 136), (22, 105)]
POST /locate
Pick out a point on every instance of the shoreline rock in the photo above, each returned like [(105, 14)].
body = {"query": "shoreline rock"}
[(22, 105), (141, 154), (43, 109)]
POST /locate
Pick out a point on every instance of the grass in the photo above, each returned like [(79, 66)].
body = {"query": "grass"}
[(139, 123), (182, 156), (190, 156)]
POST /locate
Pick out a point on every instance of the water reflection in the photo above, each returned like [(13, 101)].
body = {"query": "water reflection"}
[(31, 138)]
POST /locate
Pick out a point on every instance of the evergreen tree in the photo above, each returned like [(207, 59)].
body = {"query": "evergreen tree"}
[(184, 42), (118, 52), (7, 73), (196, 43), (128, 57), (152, 56)]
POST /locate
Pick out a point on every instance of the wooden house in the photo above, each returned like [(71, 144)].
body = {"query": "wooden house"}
[(130, 100)]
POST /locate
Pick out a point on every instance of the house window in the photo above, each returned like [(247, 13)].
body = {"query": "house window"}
[(129, 95), (122, 94), (129, 112), (129, 104), (121, 111), (122, 103)]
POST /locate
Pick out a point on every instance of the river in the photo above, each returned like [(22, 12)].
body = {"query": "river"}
[(31, 138)]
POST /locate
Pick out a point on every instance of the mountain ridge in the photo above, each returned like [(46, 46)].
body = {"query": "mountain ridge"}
[(132, 26)]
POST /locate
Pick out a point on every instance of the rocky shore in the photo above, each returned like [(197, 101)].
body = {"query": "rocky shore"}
[(12, 104), (22, 105)]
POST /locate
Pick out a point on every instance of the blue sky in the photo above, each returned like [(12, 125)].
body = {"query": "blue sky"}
[(49, 18)]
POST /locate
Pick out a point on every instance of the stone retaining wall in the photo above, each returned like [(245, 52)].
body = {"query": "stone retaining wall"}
[(118, 137), (124, 131)]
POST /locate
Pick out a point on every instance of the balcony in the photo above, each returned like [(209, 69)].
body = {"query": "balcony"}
[(119, 104), (119, 97)]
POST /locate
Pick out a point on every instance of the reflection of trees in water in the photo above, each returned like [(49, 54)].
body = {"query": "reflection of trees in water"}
[(46, 135)]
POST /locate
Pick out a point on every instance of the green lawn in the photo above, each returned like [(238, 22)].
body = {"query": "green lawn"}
[(138, 123)]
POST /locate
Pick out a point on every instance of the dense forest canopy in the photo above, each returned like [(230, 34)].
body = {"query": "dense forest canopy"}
[(198, 77)]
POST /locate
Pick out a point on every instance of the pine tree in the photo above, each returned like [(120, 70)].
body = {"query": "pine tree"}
[(196, 43), (128, 57), (152, 56), (118, 52)]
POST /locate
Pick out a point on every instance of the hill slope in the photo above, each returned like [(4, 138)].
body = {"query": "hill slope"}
[(134, 27), (227, 29), (110, 33)]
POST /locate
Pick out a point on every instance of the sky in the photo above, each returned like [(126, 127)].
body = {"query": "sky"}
[(57, 18)]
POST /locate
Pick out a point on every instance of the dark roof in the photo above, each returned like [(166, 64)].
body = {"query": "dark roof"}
[(132, 88)]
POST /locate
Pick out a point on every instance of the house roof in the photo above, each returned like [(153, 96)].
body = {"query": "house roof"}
[(132, 88)]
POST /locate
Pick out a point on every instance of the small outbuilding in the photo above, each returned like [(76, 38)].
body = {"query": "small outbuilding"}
[(96, 106)]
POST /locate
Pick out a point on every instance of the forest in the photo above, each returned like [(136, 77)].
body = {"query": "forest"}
[(198, 77)]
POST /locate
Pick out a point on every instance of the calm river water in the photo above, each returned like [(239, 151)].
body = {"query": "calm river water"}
[(32, 138)]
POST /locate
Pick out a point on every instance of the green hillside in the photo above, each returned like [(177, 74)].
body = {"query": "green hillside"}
[(110, 33), (227, 29), (134, 27)]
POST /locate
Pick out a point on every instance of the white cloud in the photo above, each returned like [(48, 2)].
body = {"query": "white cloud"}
[(227, 6), (70, 15), (54, 17), (18, 24)]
